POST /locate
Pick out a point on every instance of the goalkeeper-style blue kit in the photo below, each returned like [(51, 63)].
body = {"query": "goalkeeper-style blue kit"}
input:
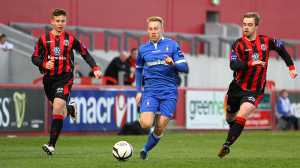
[(160, 79)]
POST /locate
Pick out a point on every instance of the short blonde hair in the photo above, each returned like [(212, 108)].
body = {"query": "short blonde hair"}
[(156, 19), (254, 15)]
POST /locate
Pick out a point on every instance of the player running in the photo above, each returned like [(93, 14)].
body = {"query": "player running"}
[(53, 54), (158, 64), (249, 61)]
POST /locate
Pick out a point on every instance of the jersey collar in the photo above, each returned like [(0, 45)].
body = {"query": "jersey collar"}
[(155, 44)]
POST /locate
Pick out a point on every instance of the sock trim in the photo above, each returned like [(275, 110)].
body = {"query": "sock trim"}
[(58, 116), (156, 136), (240, 120)]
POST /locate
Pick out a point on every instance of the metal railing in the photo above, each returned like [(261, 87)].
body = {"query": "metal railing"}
[(124, 38)]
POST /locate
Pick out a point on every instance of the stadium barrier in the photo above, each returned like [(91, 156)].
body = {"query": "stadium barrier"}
[(23, 109), (104, 110), (205, 110)]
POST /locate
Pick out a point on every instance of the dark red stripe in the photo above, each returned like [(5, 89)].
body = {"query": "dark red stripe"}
[(83, 49), (43, 38), (68, 59), (250, 50), (67, 86), (264, 75), (61, 56), (258, 68), (52, 46), (65, 51), (48, 49), (58, 116), (239, 73), (36, 49), (258, 99), (258, 83)]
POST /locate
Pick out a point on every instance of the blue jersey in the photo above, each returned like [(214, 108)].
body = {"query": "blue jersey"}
[(159, 78)]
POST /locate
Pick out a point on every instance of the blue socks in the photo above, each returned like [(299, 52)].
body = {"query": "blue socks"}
[(151, 142)]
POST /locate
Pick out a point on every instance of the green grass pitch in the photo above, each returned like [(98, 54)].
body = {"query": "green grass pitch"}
[(257, 149)]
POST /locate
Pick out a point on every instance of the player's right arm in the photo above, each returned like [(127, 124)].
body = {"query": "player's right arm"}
[(38, 57), (236, 62), (139, 76), (38, 54)]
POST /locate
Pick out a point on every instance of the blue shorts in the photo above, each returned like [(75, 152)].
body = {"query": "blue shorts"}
[(165, 107)]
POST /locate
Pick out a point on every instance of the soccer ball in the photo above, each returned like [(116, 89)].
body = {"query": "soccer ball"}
[(122, 150)]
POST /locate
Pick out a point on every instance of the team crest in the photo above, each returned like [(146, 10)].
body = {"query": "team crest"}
[(263, 47), (255, 56), (167, 48), (56, 51), (66, 42)]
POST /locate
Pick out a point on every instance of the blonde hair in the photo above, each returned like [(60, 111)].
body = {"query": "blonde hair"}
[(254, 15), (156, 19)]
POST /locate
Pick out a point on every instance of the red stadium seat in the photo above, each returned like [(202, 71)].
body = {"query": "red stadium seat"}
[(106, 79), (85, 80)]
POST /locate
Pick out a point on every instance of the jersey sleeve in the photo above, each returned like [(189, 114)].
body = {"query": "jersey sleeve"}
[(278, 46), (235, 58), (83, 51), (139, 71), (179, 60)]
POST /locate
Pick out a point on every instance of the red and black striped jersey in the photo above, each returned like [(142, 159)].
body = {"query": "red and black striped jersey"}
[(60, 49), (244, 52)]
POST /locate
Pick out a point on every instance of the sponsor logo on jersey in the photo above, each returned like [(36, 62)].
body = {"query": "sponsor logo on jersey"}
[(156, 51)]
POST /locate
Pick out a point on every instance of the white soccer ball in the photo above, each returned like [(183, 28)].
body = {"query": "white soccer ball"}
[(122, 150)]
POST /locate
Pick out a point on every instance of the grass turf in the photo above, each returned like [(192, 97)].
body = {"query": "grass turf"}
[(264, 149)]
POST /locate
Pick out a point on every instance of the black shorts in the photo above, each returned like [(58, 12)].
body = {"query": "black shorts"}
[(58, 86), (236, 96)]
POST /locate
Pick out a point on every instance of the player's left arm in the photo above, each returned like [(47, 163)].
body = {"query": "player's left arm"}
[(139, 72), (278, 46), (178, 60), (83, 51), (139, 76)]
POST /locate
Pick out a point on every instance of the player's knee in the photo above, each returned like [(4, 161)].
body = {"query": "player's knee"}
[(58, 106), (159, 131), (58, 110), (246, 109), (145, 124)]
